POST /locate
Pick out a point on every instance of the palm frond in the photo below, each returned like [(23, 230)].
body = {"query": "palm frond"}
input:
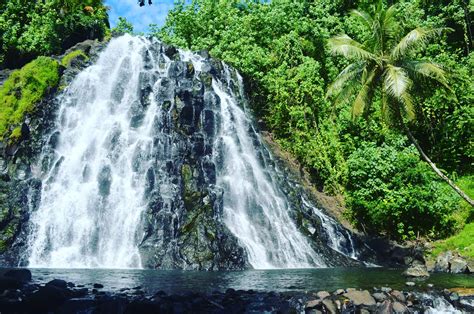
[(396, 82), (429, 70), (363, 97), (345, 46), (363, 17), (346, 76), (390, 23), (346, 93), (417, 38), (408, 107)]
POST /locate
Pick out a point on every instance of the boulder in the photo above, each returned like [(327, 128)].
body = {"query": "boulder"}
[(416, 271), (430, 265), (385, 307), (442, 262), (457, 265), (339, 292), (312, 304), (470, 266), (360, 298), (399, 296), (399, 307), (329, 306), (386, 289), (46, 299), (323, 294), (22, 275), (62, 284), (379, 296)]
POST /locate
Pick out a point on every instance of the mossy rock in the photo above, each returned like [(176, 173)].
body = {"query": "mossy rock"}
[(74, 55), (21, 92)]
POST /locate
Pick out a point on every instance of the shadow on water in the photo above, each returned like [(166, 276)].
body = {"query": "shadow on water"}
[(174, 281)]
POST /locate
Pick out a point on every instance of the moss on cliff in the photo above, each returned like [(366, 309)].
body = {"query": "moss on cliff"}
[(76, 54), (22, 91)]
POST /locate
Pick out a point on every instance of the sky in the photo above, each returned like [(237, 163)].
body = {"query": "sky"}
[(140, 17)]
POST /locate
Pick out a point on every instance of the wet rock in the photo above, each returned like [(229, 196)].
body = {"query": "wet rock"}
[(312, 304), (399, 307), (47, 298), (360, 297), (430, 265), (398, 295), (329, 306), (58, 283), (21, 275), (457, 265), (385, 307), (323, 294), (442, 262), (98, 286), (386, 289), (379, 296), (9, 283), (416, 271), (339, 292), (410, 283), (470, 266)]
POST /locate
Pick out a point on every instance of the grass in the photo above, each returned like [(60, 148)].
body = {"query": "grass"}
[(67, 59), (462, 242), (21, 92)]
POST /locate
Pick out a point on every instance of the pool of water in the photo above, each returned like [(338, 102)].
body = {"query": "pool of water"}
[(261, 280)]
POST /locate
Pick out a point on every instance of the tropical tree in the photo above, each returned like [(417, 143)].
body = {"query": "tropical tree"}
[(386, 67)]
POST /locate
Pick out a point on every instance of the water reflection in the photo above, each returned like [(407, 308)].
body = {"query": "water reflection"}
[(262, 280)]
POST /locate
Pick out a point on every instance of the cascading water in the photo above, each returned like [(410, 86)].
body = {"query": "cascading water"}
[(255, 210), (92, 198), (153, 162)]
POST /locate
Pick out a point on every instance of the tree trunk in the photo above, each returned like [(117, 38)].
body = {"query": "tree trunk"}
[(438, 172)]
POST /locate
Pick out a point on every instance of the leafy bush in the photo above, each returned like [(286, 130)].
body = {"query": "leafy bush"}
[(22, 90), (32, 28), (390, 191)]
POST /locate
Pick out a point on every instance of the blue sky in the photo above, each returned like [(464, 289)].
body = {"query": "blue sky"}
[(140, 17)]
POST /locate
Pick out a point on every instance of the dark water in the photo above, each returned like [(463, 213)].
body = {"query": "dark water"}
[(262, 280)]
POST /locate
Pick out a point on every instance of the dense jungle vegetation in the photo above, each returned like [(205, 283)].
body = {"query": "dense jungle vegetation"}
[(287, 52), (282, 47), (33, 28)]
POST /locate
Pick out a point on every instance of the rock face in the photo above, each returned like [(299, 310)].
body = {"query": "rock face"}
[(182, 226), (451, 262)]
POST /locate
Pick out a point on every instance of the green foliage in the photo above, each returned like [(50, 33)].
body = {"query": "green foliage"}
[(123, 27), (22, 90), (280, 47), (67, 59), (462, 242), (383, 65), (32, 28), (390, 191)]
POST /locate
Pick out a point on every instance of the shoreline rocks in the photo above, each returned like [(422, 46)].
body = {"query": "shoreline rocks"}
[(18, 294), (450, 262)]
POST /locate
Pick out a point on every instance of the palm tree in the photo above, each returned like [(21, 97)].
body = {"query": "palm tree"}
[(384, 65)]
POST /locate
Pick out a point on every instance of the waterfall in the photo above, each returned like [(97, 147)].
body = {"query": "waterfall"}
[(256, 211), (92, 197), (115, 173)]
